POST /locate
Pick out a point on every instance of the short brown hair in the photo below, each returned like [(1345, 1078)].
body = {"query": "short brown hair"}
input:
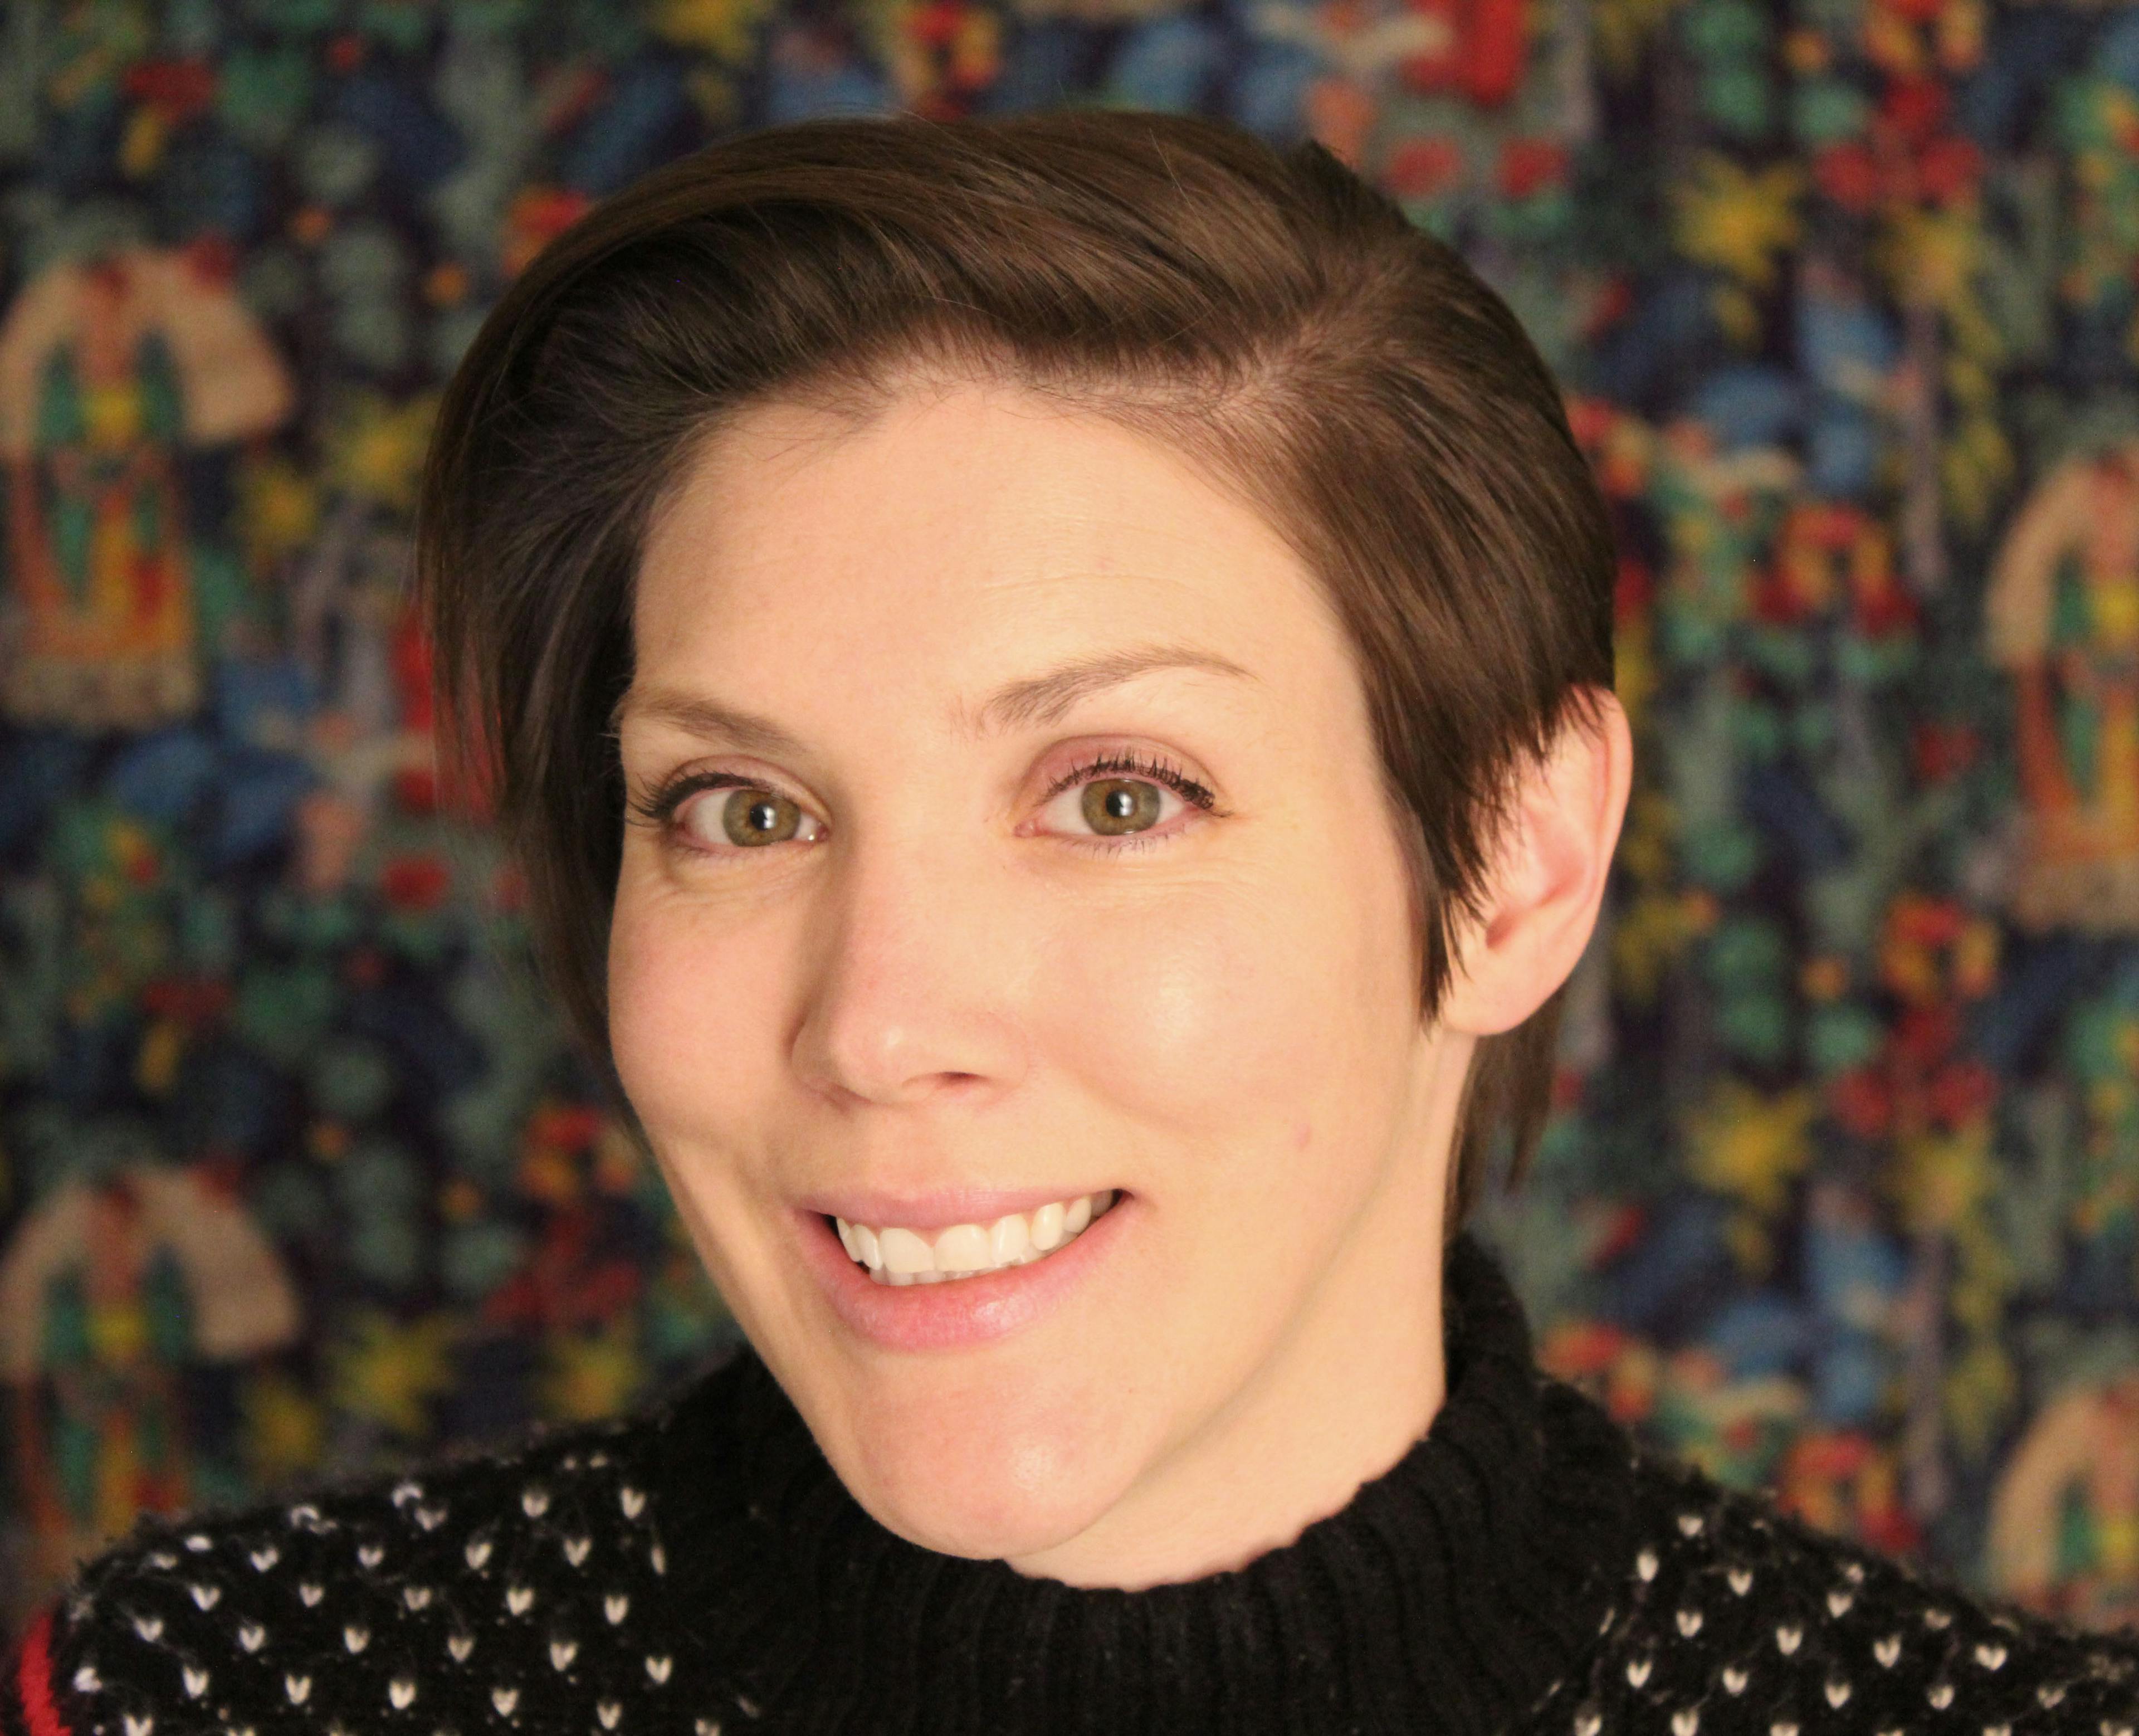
[(1266, 313)]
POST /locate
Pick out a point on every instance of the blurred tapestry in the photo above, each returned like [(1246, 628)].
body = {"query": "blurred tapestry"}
[(296, 1175)]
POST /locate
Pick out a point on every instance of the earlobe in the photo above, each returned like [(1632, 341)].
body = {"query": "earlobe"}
[(1553, 864)]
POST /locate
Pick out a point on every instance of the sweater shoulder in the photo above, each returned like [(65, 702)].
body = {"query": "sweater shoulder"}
[(1735, 1617), (352, 1602)]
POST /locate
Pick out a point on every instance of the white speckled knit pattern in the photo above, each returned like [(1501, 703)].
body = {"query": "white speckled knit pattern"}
[(1732, 1619), (508, 1595)]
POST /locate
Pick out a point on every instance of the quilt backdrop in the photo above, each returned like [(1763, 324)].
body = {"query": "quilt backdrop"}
[(296, 1176)]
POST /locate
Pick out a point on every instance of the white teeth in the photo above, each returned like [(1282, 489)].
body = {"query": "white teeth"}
[(1007, 1238), (1047, 1227), (901, 1257), (905, 1252), (963, 1248)]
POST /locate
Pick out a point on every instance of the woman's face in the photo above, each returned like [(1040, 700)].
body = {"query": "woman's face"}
[(1020, 841)]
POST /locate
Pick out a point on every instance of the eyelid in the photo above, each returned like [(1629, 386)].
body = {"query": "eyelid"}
[(661, 802), (1131, 765)]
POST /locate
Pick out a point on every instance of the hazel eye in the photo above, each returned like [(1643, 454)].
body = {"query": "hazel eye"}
[(758, 817), (1119, 807), (1112, 806), (750, 818)]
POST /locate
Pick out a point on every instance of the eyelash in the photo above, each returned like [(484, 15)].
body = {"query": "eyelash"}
[(659, 808)]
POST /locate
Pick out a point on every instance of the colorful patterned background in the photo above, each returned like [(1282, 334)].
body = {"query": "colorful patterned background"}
[(295, 1175)]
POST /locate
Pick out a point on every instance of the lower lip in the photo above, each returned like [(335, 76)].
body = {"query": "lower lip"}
[(957, 1312)]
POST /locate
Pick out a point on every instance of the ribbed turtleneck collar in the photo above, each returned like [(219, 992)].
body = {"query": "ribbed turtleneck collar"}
[(1448, 1595)]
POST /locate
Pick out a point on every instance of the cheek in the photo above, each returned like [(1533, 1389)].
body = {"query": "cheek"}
[(1213, 1009), (689, 1012)]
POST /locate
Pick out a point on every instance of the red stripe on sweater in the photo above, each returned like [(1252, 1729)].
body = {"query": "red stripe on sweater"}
[(33, 1683)]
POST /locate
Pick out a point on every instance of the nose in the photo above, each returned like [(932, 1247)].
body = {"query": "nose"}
[(913, 994)]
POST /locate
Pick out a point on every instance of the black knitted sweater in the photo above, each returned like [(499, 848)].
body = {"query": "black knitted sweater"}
[(700, 1569)]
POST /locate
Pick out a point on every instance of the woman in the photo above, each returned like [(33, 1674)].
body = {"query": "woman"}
[(1052, 680)]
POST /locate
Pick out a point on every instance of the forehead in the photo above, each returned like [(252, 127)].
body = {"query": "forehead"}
[(964, 525)]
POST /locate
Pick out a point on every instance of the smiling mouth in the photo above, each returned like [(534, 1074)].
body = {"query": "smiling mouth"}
[(895, 1255)]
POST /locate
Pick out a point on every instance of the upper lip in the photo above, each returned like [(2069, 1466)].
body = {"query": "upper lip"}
[(939, 1207)]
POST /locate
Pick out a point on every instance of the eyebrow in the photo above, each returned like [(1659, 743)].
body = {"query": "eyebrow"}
[(1036, 700)]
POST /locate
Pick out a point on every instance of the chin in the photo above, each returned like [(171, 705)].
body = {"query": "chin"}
[(954, 1468)]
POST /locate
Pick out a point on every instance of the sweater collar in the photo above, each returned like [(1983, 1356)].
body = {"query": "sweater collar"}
[(1448, 1595)]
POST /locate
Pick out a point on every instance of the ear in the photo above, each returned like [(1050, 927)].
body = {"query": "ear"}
[(1554, 860)]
